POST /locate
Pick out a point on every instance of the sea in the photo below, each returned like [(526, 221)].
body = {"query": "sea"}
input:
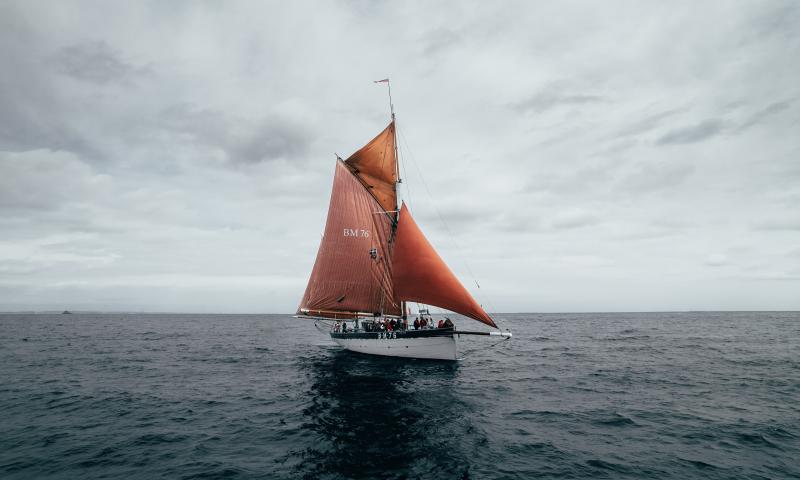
[(680, 395)]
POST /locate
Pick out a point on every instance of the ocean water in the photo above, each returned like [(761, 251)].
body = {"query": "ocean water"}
[(613, 395)]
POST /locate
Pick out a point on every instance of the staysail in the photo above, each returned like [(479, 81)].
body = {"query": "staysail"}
[(352, 272), (375, 165), (420, 275)]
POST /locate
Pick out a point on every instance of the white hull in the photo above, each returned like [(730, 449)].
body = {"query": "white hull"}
[(433, 348)]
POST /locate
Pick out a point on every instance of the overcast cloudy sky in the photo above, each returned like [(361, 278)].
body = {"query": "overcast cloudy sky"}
[(178, 156)]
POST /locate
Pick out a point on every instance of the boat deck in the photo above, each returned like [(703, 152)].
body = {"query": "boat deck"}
[(425, 333)]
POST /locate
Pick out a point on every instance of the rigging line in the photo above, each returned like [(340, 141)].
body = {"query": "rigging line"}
[(407, 186), (441, 218), (394, 148), (405, 175), (470, 352)]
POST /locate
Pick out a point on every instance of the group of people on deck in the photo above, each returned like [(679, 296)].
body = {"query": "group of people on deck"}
[(394, 325), (421, 323), (383, 325)]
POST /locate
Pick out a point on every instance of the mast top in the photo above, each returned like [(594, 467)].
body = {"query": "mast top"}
[(388, 84), (391, 110)]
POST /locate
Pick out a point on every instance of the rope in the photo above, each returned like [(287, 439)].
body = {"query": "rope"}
[(400, 153), (470, 352)]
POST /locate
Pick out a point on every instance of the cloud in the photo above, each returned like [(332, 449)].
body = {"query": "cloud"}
[(573, 218), (764, 114), (439, 40), (31, 125), (788, 223), (273, 138), (150, 152), (34, 112), (693, 133), (716, 260), (548, 100), (585, 261), (44, 179), (713, 127), (646, 176), (646, 124), (243, 141), (780, 20), (94, 61)]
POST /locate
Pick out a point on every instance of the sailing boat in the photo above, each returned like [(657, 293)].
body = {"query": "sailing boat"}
[(374, 258)]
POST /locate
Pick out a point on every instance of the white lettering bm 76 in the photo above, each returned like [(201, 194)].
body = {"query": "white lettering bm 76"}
[(354, 232)]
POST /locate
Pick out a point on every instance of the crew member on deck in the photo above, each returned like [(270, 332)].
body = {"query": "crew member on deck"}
[(416, 323), (440, 324)]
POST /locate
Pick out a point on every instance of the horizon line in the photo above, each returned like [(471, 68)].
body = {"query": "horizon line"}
[(130, 312)]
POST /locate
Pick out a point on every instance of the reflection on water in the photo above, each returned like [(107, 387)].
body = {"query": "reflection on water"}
[(375, 417)]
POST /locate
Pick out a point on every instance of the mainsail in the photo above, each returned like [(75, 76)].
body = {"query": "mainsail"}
[(420, 275), (352, 272)]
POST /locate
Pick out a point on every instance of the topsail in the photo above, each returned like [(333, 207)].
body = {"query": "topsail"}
[(375, 165)]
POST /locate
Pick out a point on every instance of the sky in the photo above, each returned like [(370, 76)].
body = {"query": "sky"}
[(561, 156)]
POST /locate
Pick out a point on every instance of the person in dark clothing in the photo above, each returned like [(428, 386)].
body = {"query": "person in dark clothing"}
[(393, 323), (423, 323), (440, 324), (416, 323)]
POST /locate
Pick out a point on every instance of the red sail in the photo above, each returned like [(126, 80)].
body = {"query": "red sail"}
[(375, 164), (352, 272), (420, 275)]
